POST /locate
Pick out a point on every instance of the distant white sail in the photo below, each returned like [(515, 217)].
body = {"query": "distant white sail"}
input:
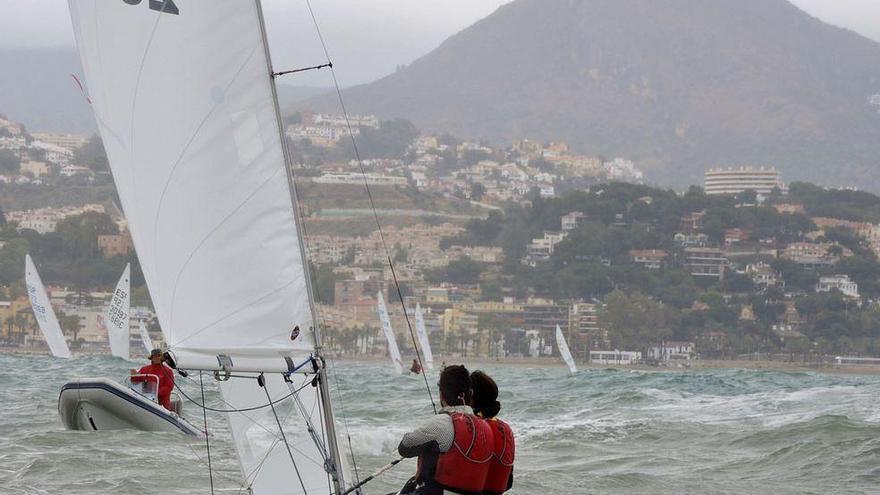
[(145, 337), (117, 319), (564, 351), (393, 351), (186, 107), (423, 338), (43, 312)]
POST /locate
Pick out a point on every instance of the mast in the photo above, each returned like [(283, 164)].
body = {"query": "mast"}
[(335, 470)]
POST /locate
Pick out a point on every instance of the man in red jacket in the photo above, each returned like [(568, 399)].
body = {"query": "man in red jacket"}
[(164, 374)]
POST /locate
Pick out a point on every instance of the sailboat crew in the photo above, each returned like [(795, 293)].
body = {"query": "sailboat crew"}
[(485, 404), (164, 374), (454, 447), (416, 368)]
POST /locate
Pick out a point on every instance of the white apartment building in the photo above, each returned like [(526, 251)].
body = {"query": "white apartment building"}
[(839, 282), (734, 181)]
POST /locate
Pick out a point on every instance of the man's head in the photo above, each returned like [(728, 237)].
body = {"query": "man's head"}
[(485, 398), (156, 356), (455, 386)]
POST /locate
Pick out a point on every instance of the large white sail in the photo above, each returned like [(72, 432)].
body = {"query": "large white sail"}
[(117, 318), (423, 338), (43, 312), (145, 336), (185, 107), (564, 351), (393, 351), (185, 103)]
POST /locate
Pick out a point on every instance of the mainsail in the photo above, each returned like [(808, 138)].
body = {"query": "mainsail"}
[(423, 338), (564, 351), (185, 102), (43, 312), (145, 336), (393, 351), (117, 320)]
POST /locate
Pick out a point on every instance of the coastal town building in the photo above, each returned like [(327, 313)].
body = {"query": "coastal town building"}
[(672, 351), (652, 259), (541, 249), (840, 282), (705, 262), (738, 180)]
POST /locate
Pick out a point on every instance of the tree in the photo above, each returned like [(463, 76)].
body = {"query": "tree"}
[(79, 234), (324, 283), (635, 321), (462, 271), (9, 162), (92, 155), (477, 191)]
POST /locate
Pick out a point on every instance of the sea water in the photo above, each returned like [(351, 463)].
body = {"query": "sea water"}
[(598, 432)]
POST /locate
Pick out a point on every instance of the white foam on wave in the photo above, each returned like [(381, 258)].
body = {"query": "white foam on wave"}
[(366, 440), (770, 409)]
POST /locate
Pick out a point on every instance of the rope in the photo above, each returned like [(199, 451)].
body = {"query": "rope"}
[(262, 383), (207, 437), (369, 191), (242, 410)]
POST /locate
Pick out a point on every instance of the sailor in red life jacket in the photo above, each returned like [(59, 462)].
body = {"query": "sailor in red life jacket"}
[(164, 373), (486, 405), (454, 447)]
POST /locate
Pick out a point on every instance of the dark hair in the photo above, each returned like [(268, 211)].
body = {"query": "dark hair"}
[(455, 385), (485, 399)]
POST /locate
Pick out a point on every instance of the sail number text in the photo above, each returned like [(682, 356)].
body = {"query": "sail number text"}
[(166, 6)]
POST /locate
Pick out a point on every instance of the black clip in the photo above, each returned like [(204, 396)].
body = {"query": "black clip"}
[(261, 380)]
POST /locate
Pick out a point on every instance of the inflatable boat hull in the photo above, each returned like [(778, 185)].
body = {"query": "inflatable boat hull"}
[(98, 404)]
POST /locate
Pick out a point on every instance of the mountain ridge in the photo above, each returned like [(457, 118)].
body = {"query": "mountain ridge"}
[(680, 86)]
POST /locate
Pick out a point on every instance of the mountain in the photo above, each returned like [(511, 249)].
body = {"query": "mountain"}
[(36, 89), (679, 86)]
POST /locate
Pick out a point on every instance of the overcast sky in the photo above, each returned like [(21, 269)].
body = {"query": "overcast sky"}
[(367, 39)]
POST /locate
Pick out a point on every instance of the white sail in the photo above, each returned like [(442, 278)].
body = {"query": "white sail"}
[(393, 351), (43, 312), (116, 321), (186, 107), (265, 462), (423, 338), (564, 351), (145, 337)]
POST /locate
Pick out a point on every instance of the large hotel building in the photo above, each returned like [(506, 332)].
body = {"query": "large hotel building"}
[(736, 180)]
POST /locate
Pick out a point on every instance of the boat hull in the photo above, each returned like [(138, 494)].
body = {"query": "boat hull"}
[(98, 404)]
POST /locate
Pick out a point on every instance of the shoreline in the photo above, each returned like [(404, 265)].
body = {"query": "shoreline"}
[(695, 365)]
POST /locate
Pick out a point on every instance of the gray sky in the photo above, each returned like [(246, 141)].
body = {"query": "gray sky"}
[(367, 39)]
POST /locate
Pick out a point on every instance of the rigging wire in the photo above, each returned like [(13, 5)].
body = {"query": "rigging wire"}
[(370, 197), (207, 437), (262, 382)]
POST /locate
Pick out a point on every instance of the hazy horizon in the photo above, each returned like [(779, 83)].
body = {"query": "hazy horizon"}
[(366, 41)]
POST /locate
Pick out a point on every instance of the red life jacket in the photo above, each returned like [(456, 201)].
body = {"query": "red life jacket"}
[(464, 467), (502, 457)]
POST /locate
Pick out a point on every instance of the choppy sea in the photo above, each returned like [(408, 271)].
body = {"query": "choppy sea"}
[(598, 432)]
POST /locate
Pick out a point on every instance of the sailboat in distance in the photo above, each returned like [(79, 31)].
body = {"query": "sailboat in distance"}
[(145, 337), (117, 319), (385, 319), (564, 351), (423, 338), (43, 312), (186, 105)]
